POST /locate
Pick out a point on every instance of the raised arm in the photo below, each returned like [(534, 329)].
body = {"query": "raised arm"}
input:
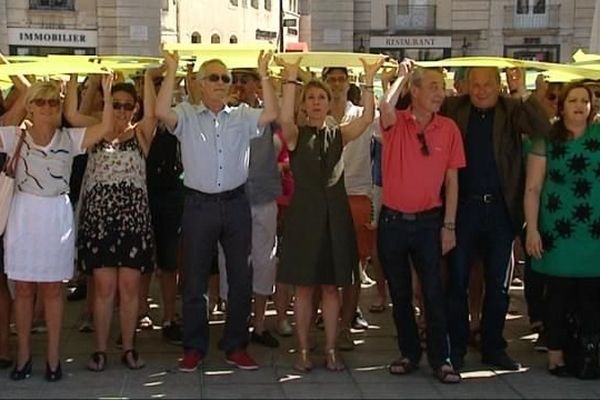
[(147, 126), (289, 129), (356, 127), (270, 105), (71, 111), (164, 112), (536, 171), (95, 133), (387, 105)]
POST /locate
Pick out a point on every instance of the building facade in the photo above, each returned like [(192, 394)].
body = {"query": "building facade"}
[(229, 21), (549, 30), (137, 27), (39, 27)]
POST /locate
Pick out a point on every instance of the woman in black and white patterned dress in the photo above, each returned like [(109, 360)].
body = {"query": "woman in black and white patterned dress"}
[(39, 239), (115, 240)]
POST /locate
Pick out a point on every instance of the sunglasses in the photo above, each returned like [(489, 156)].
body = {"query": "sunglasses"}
[(241, 79), (215, 78), (43, 102), (424, 147), (123, 106)]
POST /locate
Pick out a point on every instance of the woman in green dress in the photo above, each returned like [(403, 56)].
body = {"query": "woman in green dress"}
[(319, 247), (562, 211)]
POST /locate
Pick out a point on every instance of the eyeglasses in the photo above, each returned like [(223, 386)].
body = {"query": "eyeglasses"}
[(215, 78), (43, 102), (123, 106), (339, 79), (241, 79), (424, 147)]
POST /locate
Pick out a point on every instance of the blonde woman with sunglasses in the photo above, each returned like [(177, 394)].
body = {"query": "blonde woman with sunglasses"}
[(39, 239)]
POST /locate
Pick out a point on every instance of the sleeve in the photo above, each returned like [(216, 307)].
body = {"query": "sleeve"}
[(384, 131), (457, 149), (537, 146), (77, 135), (184, 113), (8, 136), (251, 116)]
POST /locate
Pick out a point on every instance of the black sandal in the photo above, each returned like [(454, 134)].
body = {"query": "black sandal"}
[(447, 376), (136, 359), (98, 359), (402, 366)]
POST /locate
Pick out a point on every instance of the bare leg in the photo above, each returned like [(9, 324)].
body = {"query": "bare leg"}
[(260, 305), (331, 312), (5, 306), (555, 359), (303, 307), (52, 295), (282, 300), (168, 288), (129, 282), (144, 291), (24, 297), (381, 300), (350, 296), (105, 287)]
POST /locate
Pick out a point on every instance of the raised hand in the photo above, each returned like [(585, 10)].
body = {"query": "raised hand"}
[(171, 61), (264, 59), (107, 81), (388, 74), (515, 77), (291, 69), (406, 67), (371, 69)]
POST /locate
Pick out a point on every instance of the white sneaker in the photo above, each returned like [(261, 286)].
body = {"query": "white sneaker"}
[(39, 326), (284, 328)]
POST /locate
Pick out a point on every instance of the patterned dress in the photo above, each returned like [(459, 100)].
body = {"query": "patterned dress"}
[(115, 228), (569, 217)]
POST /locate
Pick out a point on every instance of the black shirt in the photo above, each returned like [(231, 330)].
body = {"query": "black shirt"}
[(163, 164)]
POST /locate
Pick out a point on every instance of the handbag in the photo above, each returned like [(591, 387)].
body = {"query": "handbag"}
[(7, 182)]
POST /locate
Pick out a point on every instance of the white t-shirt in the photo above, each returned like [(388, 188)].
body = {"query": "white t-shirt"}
[(44, 170), (357, 157)]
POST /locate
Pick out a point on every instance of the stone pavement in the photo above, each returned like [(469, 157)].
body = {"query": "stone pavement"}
[(365, 377)]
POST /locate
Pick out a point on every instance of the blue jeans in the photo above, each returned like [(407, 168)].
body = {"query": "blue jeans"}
[(206, 221), (419, 239), (484, 230)]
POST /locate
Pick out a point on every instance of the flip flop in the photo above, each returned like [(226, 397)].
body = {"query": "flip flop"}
[(402, 366), (447, 376)]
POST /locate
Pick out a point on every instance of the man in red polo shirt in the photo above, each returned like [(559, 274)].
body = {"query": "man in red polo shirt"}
[(422, 152)]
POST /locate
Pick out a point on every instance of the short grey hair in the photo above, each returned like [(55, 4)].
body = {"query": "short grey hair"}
[(205, 64), (417, 74)]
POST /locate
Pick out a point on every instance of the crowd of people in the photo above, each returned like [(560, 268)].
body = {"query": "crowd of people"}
[(237, 186)]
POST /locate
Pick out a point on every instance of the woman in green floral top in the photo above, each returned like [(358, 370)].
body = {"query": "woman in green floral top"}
[(562, 211)]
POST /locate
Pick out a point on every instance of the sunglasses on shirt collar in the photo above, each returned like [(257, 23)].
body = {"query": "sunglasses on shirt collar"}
[(216, 77), (423, 142)]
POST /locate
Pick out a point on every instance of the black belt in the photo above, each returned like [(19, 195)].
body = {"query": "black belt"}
[(431, 213), (227, 195), (486, 198)]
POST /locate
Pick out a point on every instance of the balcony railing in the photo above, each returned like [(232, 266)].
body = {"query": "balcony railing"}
[(546, 17), (410, 17)]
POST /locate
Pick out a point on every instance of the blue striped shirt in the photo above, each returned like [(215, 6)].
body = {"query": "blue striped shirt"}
[(215, 148)]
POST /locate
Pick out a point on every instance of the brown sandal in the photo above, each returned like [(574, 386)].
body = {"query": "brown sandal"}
[(97, 362), (135, 357), (447, 374), (332, 362), (402, 366), (303, 364)]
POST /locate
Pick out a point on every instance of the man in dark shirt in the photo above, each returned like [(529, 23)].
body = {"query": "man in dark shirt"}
[(490, 209)]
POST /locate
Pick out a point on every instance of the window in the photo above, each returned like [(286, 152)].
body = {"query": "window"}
[(531, 7), (196, 38), (254, 4), (215, 38), (233, 39), (268, 5), (68, 5), (233, 2)]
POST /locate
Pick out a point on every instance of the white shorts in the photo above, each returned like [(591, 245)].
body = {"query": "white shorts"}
[(263, 252)]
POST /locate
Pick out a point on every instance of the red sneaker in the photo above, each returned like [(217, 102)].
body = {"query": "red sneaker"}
[(190, 361), (242, 360)]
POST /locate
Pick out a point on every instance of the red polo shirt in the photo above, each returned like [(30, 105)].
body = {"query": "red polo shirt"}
[(412, 181)]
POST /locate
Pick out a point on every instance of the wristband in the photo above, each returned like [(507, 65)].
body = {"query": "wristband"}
[(451, 226)]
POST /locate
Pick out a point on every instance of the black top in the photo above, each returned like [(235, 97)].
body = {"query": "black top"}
[(481, 174), (163, 164)]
